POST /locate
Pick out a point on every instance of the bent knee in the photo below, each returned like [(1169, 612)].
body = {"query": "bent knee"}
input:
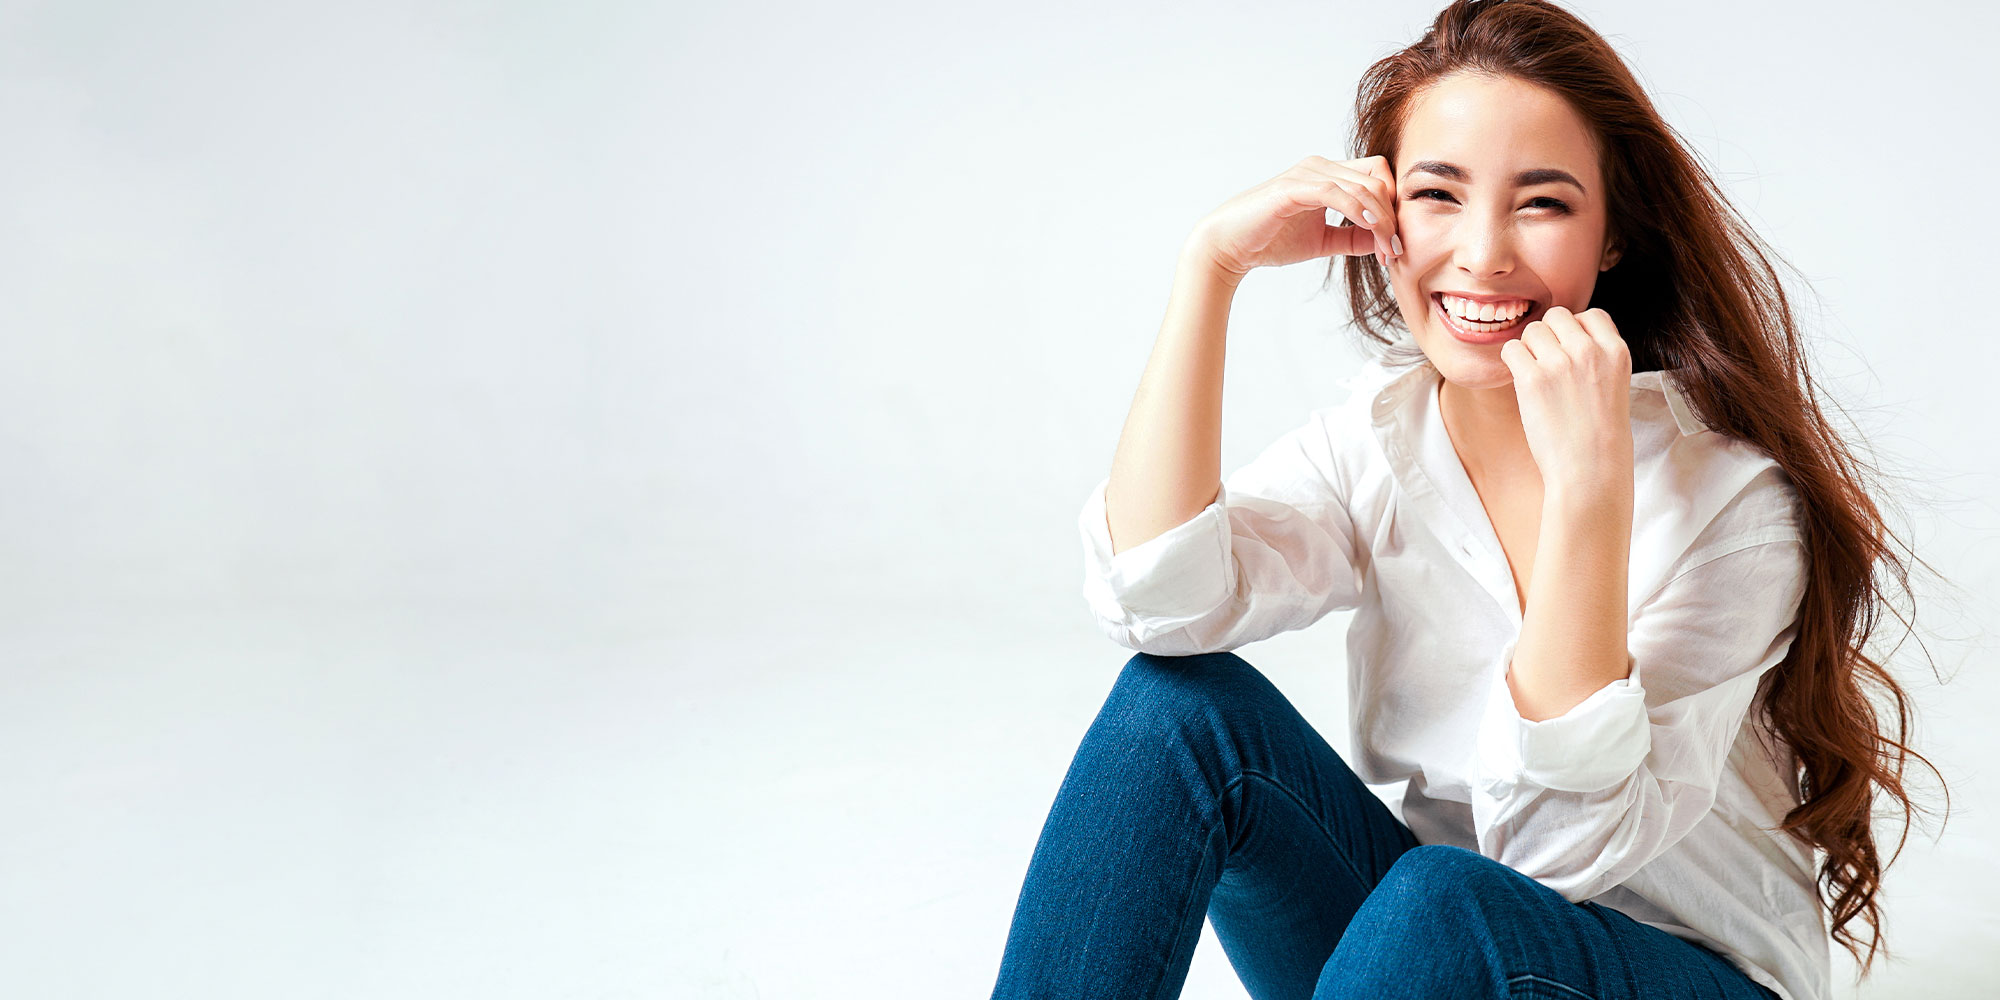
[(1433, 880), (1447, 873), (1178, 686), (1446, 867), (1437, 901)]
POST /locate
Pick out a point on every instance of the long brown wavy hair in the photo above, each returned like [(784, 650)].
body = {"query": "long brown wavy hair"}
[(1694, 291)]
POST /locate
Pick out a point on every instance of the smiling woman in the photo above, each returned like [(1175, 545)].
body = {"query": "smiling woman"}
[(1611, 571), (1495, 206), (1534, 166)]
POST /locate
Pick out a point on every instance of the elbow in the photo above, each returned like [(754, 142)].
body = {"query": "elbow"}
[(1220, 629), (1138, 639)]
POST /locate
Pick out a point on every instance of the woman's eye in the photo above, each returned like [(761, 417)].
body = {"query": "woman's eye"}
[(1556, 205)]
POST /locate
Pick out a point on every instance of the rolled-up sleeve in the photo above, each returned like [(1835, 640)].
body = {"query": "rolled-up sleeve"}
[(1594, 745), (1273, 552), (1583, 800)]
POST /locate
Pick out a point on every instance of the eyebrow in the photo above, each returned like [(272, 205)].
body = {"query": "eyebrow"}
[(1526, 178)]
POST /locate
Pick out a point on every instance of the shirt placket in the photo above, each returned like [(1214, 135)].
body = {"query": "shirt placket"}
[(1418, 450)]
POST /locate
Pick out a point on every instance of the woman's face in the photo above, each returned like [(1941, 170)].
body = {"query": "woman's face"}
[(1470, 222)]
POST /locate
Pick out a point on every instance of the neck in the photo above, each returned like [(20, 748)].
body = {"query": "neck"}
[(1485, 428)]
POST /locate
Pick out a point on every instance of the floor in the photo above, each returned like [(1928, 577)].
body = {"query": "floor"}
[(495, 804)]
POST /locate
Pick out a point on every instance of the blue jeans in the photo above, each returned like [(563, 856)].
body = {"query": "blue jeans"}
[(1199, 790)]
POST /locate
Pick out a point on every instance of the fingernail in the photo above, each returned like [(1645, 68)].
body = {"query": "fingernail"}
[(1396, 243), (1367, 216)]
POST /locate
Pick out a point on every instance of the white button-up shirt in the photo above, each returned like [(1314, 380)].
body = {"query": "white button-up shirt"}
[(1660, 794)]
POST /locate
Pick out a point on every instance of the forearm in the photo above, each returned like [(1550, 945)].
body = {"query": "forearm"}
[(1573, 633), (1169, 459)]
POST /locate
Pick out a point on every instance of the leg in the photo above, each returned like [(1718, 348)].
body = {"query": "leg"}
[(1446, 922), (1198, 790)]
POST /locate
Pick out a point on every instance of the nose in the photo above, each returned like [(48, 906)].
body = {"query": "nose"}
[(1483, 248)]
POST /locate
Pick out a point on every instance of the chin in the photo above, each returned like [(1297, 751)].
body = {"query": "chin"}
[(1495, 376), (1468, 366)]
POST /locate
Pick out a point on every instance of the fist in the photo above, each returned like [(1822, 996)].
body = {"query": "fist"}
[(1573, 380)]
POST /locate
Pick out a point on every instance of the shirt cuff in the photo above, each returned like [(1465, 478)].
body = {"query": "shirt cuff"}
[(1170, 580), (1599, 742)]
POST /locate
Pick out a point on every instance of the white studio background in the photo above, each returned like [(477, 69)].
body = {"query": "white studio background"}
[(534, 500)]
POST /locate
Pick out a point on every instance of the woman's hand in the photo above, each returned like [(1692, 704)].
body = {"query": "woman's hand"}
[(1573, 381), (1283, 220)]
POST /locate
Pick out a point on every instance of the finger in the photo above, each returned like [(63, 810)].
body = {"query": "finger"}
[(1373, 188), (1352, 241), (1519, 358), (1540, 339), (1598, 324), (1566, 334), (1378, 168), (1334, 194)]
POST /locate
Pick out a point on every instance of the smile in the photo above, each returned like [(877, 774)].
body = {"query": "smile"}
[(1476, 332)]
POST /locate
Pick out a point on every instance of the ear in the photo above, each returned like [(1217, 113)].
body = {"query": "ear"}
[(1611, 255)]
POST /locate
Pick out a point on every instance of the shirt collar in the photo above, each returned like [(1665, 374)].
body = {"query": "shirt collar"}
[(1422, 460), (1423, 376)]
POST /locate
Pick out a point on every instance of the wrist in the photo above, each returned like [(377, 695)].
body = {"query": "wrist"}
[(1588, 495), (1198, 263)]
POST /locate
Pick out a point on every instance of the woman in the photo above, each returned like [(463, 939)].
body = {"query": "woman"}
[(1610, 572)]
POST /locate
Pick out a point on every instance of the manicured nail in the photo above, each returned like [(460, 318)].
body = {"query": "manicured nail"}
[(1396, 243), (1367, 216)]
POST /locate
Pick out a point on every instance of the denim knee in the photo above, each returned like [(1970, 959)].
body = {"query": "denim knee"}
[(1425, 929), (1430, 870), (1462, 885), (1449, 905), (1179, 701), (1167, 692)]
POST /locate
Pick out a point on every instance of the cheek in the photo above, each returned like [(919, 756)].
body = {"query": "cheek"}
[(1568, 261), (1557, 255), (1420, 228), (1562, 257)]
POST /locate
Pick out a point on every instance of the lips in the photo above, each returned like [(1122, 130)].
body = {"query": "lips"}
[(1470, 336)]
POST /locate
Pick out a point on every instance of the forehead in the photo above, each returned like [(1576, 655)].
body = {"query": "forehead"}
[(1495, 127)]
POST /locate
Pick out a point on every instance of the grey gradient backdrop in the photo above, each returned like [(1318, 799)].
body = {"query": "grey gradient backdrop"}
[(510, 500)]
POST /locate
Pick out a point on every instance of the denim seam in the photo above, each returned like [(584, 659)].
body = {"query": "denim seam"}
[(1514, 983), (1331, 840)]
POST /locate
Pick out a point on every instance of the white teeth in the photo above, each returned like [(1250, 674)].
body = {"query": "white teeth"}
[(1466, 309), (1483, 317)]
